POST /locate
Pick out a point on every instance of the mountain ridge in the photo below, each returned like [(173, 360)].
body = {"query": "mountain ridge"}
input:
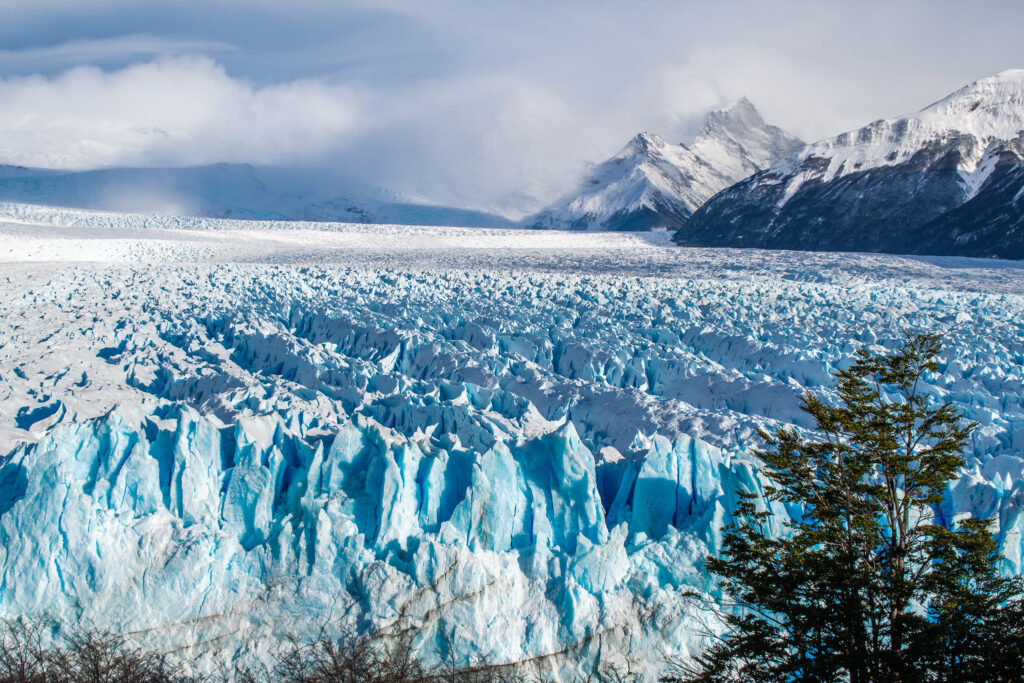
[(651, 183), (876, 188), (225, 191)]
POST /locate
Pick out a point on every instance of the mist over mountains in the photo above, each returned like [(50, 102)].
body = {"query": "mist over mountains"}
[(237, 191), (946, 180)]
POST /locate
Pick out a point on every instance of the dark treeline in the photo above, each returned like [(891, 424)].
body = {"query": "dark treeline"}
[(30, 654)]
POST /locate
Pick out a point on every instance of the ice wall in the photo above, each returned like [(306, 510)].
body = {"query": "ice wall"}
[(269, 526)]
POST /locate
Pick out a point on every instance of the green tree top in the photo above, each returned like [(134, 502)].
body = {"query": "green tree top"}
[(866, 586)]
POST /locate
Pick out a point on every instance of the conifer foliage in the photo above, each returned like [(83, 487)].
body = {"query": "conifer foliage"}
[(867, 584)]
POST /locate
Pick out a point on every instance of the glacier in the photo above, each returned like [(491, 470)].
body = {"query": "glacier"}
[(519, 446)]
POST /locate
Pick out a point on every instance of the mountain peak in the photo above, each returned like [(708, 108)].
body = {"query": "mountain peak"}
[(737, 109), (736, 138), (1015, 75), (652, 183), (1010, 77), (1008, 81), (993, 105), (732, 120), (643, 143), (987, 112), (884, 186)]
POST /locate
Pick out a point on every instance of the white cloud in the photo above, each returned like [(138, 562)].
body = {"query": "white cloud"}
[(466, 140), (461, 102), (175, 111)]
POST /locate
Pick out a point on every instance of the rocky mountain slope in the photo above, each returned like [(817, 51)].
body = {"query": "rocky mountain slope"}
[(883, 188), (652, 183), (990, 224)]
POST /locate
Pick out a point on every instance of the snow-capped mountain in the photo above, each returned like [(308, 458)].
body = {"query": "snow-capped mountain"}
[(738, 142), (875, 189), (652, 183), (228, 191)]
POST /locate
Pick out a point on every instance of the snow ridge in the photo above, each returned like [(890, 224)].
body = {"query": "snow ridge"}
[(884, 187), (978, 119), (738, 142)]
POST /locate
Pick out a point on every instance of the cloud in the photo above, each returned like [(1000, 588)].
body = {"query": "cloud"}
[(461, 102), (473, 139), (74, 52), (174, 111)]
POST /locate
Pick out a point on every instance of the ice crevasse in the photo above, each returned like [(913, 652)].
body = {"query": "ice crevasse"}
[(428, 457)]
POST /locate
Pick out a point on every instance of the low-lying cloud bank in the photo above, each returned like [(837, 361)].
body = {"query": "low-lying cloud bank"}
[(170, 111)]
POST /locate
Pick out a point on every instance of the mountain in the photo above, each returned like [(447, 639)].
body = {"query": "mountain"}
[(652, 183), (902, 185), (227, 191), (738, 142), (990, 224)]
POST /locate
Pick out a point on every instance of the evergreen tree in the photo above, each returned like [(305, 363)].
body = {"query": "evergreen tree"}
[(975, 629), (865, 586)]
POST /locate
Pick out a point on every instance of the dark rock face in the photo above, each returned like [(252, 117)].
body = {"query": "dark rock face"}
[(876, 210), (991, 224), (647, 218)]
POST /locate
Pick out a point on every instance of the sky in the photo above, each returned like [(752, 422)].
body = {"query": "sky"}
[(481, 104)]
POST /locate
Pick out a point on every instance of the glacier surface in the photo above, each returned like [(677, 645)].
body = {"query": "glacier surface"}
[(221, 434)]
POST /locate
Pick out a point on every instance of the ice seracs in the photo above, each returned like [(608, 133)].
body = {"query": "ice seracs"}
[(528, 458), (652, 183)]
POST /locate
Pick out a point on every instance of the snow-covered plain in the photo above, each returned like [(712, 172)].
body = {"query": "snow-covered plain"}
[(224, 433)]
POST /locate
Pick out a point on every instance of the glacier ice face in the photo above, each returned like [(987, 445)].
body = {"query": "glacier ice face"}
[(145, 521), (528, 464)]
